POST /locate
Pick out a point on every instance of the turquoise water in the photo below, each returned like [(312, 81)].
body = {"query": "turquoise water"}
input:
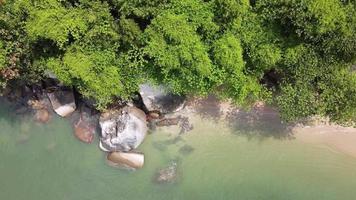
[(46, 162)]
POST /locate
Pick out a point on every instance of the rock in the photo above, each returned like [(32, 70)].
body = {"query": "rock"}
[(128, 160), (42, 115), (185, 125), (50, 74), (186, 149), (41, 106), (62, 101), (167, 174), (168, 122), (122, 130), (158, 99), (154, 115), (36, 104), (84, 131), (85, 124)]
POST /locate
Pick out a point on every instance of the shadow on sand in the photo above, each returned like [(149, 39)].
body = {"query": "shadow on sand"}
[(260, 123), (208, 108)]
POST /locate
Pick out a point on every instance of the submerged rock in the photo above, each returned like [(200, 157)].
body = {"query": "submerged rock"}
[(128, 160), (42, 115), (185, 125), (168, 174), (122, 130), (159, 99), (84, 131), (62, 101), (182, 122), (168, 122), (186, 149), (85, 124), (41, 106), (152, 115)]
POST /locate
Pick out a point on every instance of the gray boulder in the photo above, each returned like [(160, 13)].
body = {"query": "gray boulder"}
[(159, 99), (122, 130), (62, 101)]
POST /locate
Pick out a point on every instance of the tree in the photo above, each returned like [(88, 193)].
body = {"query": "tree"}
[(105, 49), (178, 57), (233, 82)]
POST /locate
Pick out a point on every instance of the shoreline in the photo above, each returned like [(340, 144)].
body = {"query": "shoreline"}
[(335, 137), (264, 122)]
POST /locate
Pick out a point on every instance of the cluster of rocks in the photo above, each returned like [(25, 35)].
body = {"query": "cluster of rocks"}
[(123, 128), (122, 131), (168, 174)]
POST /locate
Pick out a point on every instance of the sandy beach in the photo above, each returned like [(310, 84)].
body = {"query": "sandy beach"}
[(267, 121), (337, 138)]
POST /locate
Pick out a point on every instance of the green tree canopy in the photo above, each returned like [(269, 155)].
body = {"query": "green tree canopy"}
[(106, 49)]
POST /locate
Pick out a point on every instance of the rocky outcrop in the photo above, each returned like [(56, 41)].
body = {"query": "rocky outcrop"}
[(168, 174), (62, 101), (128, 160), (122, 130), (159, 99)]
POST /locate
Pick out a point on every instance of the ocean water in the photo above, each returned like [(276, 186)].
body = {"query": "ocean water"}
[(215, 161)]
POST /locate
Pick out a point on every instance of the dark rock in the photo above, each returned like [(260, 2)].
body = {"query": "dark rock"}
[(186, 149)]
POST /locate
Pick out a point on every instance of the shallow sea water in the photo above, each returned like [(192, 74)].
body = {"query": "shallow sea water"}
[(46, 162)]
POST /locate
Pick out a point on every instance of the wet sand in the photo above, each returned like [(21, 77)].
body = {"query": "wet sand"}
[(336, 138)]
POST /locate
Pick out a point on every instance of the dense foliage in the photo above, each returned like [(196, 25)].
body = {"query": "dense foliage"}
[(296, 53)]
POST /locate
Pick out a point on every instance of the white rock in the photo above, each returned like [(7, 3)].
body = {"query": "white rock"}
[(122, 130), (62, 101)]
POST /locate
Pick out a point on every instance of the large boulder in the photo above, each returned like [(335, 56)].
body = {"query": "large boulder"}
[(159, 99), (122, 130), (63, 102), (128, 160)]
